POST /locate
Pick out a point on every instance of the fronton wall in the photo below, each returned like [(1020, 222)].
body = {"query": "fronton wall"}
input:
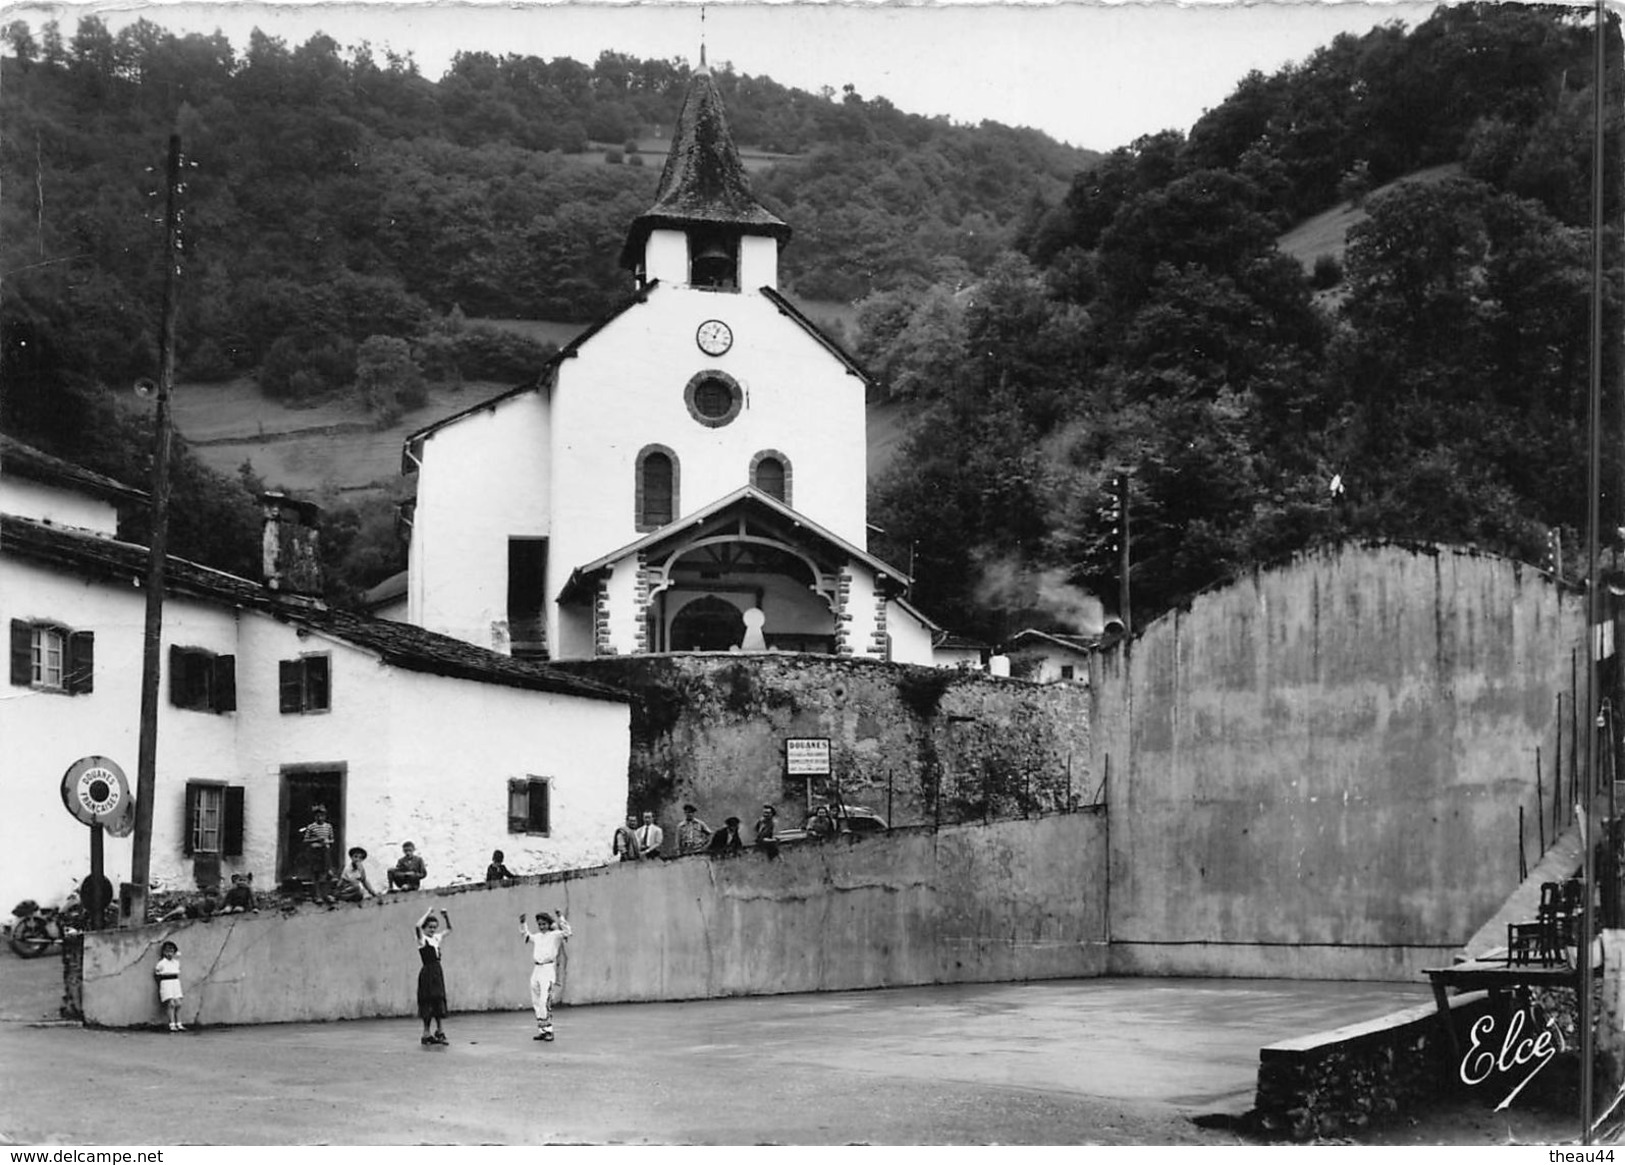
[(1319, 770)]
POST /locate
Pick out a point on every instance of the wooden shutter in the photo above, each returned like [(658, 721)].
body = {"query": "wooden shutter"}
[(225, 683), (540, 817), (318, 692), (518, 804), (81, 679), (231, 823), (189, 818), (291, 685), (22, 652), (177, 677)]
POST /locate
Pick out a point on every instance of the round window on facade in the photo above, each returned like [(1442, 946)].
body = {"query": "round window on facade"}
[(713, 398)]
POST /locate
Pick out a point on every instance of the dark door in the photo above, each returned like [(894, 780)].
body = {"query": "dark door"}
[(302, 790)]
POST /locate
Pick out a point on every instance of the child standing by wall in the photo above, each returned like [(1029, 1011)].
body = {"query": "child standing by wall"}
[(431, 980), (168, 973)]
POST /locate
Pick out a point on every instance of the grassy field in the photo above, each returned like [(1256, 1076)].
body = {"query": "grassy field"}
[(1328, 233), (335, 447)]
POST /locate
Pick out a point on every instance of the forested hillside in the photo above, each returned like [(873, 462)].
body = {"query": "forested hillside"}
[(1054, 330), (346, 216), (1152, 330)]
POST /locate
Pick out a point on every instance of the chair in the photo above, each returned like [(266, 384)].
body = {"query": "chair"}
[(1525, 943)]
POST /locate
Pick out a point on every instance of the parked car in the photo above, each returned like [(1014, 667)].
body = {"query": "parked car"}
[(857, 820)]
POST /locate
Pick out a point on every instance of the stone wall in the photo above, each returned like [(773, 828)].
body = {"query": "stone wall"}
[(1333, 1083), (1322, 769), (962, 904), (919, 745)]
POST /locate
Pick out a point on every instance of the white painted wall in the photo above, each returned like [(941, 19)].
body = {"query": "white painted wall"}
[(758, 262), (484, 480), (910, 638), (42, 847), (427, 757), (63, 507)]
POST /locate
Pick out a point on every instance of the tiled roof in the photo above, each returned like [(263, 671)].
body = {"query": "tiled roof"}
[(704, 180), (399, 644), (1071, 642), (26, 461)]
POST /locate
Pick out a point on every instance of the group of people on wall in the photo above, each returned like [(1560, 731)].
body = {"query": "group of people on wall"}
[(641, 839), (353, 882)]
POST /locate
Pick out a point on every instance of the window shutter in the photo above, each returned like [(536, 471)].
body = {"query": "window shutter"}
[(290, 677), (22, 652), (317, 690), (189, 818), (518, 804), (540, 817), (81, 663), (225, 683), (231, 828), (177, 677)]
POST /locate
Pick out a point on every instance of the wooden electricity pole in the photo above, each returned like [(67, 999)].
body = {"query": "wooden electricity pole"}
[(163, 432)]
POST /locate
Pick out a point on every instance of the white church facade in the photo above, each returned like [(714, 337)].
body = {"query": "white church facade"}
[(686, 475)]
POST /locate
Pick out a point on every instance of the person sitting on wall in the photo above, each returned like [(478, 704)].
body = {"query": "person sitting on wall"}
[(240, 898), (408, 873), (498, 872), (765, 841), (726, 840), (821, 826), (354, 885)]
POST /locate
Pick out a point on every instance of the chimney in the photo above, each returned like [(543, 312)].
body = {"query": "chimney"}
[(292, 557)]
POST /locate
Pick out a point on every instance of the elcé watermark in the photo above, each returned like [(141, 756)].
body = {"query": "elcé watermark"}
[(1529, 1037)]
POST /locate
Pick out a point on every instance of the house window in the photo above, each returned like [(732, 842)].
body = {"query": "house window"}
[(655, 488), (214, 819), (304, 684), (52, 658), (530, 805), (202, 680), (713, 398), (770, 473), (1067, 671)]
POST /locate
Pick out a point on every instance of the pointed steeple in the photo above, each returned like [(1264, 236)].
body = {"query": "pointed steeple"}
[(704, 183)]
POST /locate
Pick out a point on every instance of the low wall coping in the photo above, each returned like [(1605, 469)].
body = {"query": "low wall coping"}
[(1364, 1031)]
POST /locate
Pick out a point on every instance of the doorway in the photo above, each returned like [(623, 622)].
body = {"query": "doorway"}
[(303, 788)]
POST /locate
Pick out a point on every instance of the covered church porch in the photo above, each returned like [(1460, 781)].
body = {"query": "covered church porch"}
[(746, 573)]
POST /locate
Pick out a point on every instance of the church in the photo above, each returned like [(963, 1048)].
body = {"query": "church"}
[(687, 474)]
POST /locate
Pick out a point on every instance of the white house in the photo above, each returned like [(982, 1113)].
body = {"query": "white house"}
[(271, 703), (687, 474), (1048, 658)]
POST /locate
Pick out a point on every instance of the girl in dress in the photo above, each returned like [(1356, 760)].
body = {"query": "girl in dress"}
[(168, 974), (431, 981)]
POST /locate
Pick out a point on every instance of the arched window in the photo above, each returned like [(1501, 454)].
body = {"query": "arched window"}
[(655, 488), (707, 624), (770, 473)]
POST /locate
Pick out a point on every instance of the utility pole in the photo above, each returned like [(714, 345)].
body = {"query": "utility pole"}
[(1594, 592), (163, 434), (1123, 480)]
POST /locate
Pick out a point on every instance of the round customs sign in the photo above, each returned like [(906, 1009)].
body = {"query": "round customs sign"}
[(96, 792)]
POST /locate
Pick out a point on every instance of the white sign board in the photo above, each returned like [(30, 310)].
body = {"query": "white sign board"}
[(807, 756)]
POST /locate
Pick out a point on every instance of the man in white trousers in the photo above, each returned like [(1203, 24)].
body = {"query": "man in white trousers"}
[(546, 943)]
